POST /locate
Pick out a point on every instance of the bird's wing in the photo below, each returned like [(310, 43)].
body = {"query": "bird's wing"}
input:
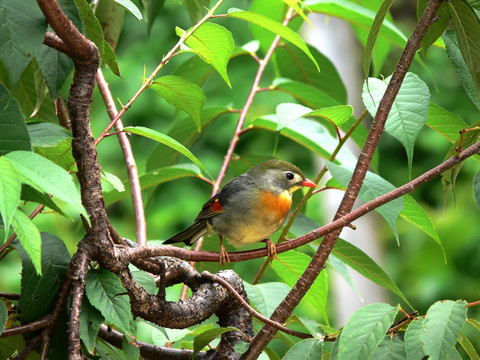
[(216, 204)]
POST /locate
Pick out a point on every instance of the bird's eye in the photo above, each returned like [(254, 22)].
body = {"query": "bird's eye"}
[(289, 175)]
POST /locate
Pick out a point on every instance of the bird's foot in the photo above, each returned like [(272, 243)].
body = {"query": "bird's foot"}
[(271, 249), (224, 258)]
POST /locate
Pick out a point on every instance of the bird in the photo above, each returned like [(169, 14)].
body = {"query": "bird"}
[(249, 208)]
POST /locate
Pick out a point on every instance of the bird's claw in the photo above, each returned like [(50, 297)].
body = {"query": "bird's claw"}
[(271, 250), (224, 258)]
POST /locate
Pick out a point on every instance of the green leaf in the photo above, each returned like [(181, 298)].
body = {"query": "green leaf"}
[(364, 265), (202, 340), (181, 93), (90, 321), (416, 215), (373, 186), (468, 138), (13, 130), (39, 293), (47, 177), (30, 194), (414, 345), (443, 323), (152, 178), (10, 187), (293, 64), (460, 66), (358, 15), (106, 293), (94, 32), (60, 154), (293, 4), (468, 347), (56, 68), (196, 9), (113, 180), (21, 35), (153, 9), (131, 7), (287, 113), (476, 188), (29, 237), (47, 134), (408, 113), (444, 122), (166, 140), (213, 44), (275, 27), (310, 134), (467, 27), (337, 115), (373, 34), (267, 296), (145, 280), (3, 316), (437, 28), (365, 330), (391, 349), (290, 266), (185, 132), (307, 349)]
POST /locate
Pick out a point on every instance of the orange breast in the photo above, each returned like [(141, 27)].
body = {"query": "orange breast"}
[(277, 205)]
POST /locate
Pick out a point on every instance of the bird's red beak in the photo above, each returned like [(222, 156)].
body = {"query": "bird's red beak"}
[(308, 183)]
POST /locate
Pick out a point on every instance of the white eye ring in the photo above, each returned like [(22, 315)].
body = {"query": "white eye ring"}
[(289, 175)]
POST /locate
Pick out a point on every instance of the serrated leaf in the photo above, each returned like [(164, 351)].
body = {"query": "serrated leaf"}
[(306, 94), (444, 122), (364, 265), (106, 293), (21, 35), (416, 215), (365, 330), (467, 27), (153, 8), (460, 66), (10, 188), (373, 34), (287, 113), (183, 94), (290, 266), (337, 115), (413, 339), (443, 323), (206, 337), (60, 154), (311, 135), (358, 15), (39, 293), (437, 28), (29, 237), (409, 111), (90, 321), (94, 32), (391, 349), (152, 178), (3, 316), (373, 186), (47, 177), (145, 280), (47, 134), (213, 44), (307, 349), (30, 194), (295, 65), (275, 27), (166, 140), (131, 7), (267, 296), (13, 130)]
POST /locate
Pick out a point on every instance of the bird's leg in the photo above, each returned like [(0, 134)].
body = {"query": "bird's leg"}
[(223, 253), (271, 249)]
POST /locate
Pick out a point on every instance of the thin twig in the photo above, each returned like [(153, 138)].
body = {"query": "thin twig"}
[(135, 188), (251, 310)]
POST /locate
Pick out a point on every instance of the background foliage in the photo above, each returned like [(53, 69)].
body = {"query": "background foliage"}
[(437, 256)]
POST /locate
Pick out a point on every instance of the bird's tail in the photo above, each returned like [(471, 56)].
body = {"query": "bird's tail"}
[(190, 234)]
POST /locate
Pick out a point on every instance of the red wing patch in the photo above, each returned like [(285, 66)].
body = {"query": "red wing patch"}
[(215, 206)]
